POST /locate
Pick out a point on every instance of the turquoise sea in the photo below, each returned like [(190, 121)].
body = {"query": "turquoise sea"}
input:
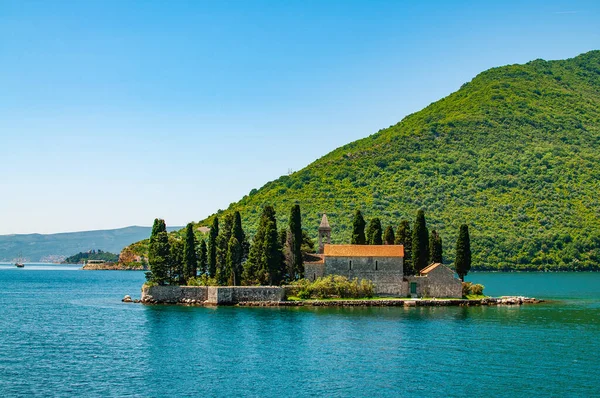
[(65, 332)]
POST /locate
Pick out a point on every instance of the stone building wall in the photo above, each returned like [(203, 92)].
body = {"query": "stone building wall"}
[(439, 283), (386, 273), (313, 271)]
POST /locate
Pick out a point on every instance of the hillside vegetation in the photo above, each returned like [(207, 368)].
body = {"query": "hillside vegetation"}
[(82, 257), (514, 154)]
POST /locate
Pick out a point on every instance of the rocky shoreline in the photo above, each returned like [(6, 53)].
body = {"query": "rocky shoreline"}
[(110, 267), (488, 301)]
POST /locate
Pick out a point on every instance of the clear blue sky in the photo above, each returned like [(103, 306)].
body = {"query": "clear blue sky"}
[(113, 113)]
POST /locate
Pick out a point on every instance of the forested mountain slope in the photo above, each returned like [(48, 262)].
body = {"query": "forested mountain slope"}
[(55, 247), (515, 153)]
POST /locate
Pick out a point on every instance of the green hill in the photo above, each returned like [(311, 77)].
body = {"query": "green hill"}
[(55, 247), (515, 153)]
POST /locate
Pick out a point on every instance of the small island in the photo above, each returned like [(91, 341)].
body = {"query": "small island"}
[(95, 254), (281, 267)]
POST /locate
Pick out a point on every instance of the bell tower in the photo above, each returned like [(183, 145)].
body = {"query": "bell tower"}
[(324, 233)]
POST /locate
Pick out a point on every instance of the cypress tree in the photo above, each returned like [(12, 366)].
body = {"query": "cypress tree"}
[(420, 243), (237, 231), (158, 253), (190, 265), (176, 261), (295, 228), (287, 253), (225, 233), (203, 257), (308, 245), (462, 263), (212, 248), (358, 229), (404, 237), (435, 248), (234, 261), (388, 236), (271, 259), (240, 235), (256, 268), (158, 226), (374, 232)]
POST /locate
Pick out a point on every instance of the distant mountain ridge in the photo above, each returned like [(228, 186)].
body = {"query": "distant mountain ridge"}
[(514, 153), (56, 247)]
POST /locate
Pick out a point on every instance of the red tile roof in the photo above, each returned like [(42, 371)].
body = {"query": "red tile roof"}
[(364, 251)]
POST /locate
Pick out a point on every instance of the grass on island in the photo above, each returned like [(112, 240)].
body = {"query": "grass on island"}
[(476, 296), (296, 298), (469, 297)]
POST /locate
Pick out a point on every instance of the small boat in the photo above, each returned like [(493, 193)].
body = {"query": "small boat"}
[(19, 263)]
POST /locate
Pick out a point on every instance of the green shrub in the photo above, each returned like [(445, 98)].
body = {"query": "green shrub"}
[(150, 284), (469, 289), (466, 288), (477, 289), (203, 280), (334, 286)]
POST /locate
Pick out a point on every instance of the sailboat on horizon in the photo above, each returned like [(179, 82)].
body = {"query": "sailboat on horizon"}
[(19, 263)]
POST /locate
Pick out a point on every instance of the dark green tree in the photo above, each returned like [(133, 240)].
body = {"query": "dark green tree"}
[(225, 233), (234, 261), (287, 252), (308, 245), (272, 261), (240, 235), (404, 237), (462, 263), (260, 257), (374, 232), (435, 247), (158, 226), (237, 231), (212, 248), (190, 265), (158, 253), (295, 228), (358, 229), (420, 243), (203, 257), (388, 236), (176, 261)]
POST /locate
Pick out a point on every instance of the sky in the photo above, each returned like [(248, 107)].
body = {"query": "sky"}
[(113, 113)]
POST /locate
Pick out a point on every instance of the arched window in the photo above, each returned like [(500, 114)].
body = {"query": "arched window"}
[(350, 265), (375, 265)]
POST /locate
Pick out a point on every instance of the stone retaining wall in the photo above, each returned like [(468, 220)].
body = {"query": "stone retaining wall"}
[(174, 294), (217, 295)]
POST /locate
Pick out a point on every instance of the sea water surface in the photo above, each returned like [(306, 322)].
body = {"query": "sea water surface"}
[(65, 332)]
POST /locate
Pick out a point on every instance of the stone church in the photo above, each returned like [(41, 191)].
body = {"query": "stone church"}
[(381, 264)]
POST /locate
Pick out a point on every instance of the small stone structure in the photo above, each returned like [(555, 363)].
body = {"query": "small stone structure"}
[(216, 295), (435, 280)]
